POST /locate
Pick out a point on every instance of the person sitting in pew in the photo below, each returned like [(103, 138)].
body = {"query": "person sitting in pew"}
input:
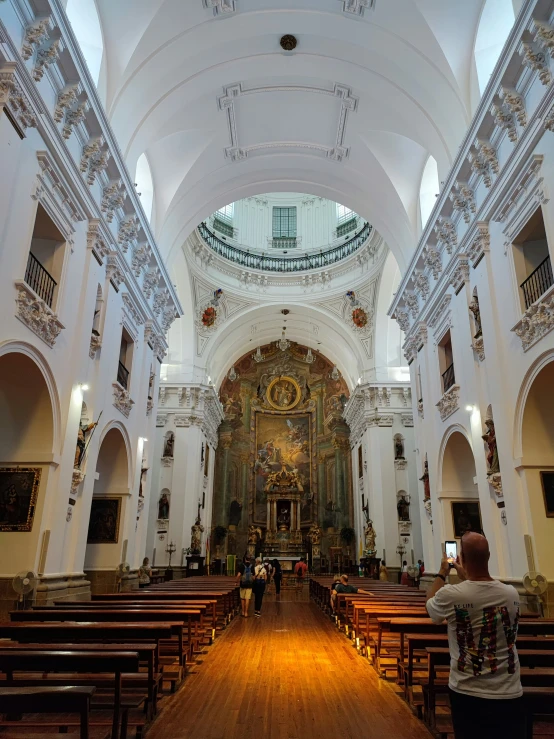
[(482, 614), (343, 587), (145, 572)]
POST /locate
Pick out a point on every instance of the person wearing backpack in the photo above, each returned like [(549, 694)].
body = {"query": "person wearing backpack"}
[(260, 578), (245, 579)]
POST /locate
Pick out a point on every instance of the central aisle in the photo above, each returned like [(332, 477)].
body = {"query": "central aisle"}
[(288, 675)]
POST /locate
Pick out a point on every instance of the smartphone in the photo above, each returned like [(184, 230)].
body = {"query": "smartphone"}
[(451, 549)]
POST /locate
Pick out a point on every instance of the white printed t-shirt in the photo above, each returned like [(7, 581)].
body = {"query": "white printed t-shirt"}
[(482, 620)]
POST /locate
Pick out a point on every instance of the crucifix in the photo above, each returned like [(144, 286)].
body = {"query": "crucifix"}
[(365, 508), (170, 549)]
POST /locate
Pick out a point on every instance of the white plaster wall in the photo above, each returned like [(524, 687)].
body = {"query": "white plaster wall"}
[(316, 219)]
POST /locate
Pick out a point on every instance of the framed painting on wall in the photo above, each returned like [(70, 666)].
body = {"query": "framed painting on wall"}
[(18, 497), (466, 516), (103, 527), (547, 481)]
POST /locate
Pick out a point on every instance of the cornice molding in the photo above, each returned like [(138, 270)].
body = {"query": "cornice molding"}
[(337, 151)]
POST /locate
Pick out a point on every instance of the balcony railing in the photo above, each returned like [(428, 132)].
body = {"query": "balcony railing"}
[(284, 242), (538, 282), (40, 280), (302, 263), (448, 378), (123, 375)]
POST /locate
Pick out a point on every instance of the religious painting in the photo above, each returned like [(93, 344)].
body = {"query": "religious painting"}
[(547, 480), (282, 442), (283, 393), (18, 497), (466, 516), (103, 527)]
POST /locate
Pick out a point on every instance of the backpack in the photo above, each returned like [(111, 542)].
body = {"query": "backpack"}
[(246, 579)]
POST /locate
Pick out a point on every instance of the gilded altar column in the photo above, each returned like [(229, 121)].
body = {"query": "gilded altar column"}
[(321, 487), (225, 438), (246, 395), (245, 466), (341, 444), (317, 392)]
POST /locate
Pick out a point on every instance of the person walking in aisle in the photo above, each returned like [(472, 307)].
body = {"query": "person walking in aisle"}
[(277, 576), (383, 572), (245, 579), (300, 569), (405, 578), (260, 577), (486, 697)]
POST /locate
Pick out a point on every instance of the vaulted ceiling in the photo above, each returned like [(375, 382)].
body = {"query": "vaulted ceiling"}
[(222, 112)]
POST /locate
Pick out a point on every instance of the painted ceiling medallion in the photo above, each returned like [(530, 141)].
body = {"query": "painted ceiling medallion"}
[(209, 313), (283, 393), (288, 42), (359, 313), (359, 318)]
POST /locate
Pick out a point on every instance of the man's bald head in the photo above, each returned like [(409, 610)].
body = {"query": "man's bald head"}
[(475, 552)]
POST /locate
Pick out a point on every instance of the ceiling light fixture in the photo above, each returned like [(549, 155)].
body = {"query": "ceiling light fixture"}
[(258, 356), (283, 343), (288, 42)]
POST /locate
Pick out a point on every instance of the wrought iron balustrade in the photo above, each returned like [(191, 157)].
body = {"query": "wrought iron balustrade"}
[(123, 375), (40, 280), (269, 263), (284, 242), (448, 378), (538, 282)]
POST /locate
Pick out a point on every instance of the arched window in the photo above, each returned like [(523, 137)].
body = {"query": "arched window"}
[(227, 212), (429, 189), (85, 22), (344, 213), (495, 25), (145, 185)]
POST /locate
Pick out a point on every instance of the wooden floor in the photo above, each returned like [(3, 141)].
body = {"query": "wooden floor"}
[(288, 675)]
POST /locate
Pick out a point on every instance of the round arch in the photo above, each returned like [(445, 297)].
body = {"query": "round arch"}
[(453, 429), (28, 350), (530, 376), (117, 425), (233, 340)]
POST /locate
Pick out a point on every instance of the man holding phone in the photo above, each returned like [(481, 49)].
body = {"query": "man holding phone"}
[(482, 615)]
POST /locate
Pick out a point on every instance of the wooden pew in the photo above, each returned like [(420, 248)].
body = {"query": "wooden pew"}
[(95, 633), (46, 661), (181, 619), (146, 652), (208, 605), (66, 700), (440, 657)]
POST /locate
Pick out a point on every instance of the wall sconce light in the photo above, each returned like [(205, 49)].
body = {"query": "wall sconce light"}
[(84, 387), (469, 408)]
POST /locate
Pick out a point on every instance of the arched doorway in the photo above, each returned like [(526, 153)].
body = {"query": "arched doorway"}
[(26, 445), (538, 462), (106, 546), (459, 495)]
